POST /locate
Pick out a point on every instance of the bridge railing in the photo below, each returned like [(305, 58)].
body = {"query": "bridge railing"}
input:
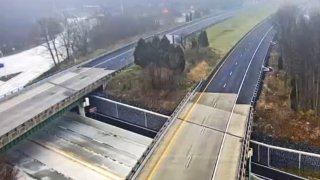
[(285, 159), (133, 115), (245, 142)]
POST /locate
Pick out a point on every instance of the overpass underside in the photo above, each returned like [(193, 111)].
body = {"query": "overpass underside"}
[(201, 126), (30, 108), (77, 147)]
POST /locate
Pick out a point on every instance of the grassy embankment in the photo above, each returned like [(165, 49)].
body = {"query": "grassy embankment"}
[(129, 84)]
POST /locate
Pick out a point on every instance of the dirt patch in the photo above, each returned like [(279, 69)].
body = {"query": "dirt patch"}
[(199, 72)]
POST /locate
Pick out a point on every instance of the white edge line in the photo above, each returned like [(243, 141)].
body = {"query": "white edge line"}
[(231, 114)]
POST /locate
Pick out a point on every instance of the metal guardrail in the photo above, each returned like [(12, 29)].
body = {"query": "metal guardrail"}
[(284, 158), (245, 142), (155, 142), (46, 78)]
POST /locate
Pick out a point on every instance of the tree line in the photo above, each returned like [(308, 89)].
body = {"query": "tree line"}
[(163, 61), (299, 39)]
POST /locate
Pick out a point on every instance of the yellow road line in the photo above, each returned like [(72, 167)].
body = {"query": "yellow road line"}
[(86, 164), (156, 166)]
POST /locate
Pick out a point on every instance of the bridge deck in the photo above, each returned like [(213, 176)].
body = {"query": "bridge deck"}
[(201, 133), (19, 109)]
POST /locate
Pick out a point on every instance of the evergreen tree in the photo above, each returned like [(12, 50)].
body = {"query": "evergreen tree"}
[(203, 39), (139, 54), (187, 17), (176, 59), (156, 42), (181, 59), (194, 43), (164, 44)]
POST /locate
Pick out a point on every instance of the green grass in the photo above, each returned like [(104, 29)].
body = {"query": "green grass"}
[(225, 35)]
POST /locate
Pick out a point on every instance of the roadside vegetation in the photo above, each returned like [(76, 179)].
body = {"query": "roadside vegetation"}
[(202, 53), (290, 97), (287, 113), (163, 73)]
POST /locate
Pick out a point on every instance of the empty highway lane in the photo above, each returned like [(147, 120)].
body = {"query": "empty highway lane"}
[(124, 56), (205, 141)]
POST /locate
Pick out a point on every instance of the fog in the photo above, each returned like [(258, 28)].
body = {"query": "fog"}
[(29, 10), (18, 18)]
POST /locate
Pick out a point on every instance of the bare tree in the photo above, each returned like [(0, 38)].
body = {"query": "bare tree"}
[(299, 38), (67, 36), (81, 37), (49, 30)]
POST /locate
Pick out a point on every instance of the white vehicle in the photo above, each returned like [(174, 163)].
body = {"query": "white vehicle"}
[(267, 69)]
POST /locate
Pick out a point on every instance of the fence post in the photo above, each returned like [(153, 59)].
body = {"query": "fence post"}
[(268, 157), (258, 153), (117, 111), (299, 161), (145, 119)]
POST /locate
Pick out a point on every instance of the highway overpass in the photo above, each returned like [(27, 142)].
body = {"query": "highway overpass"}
[(26, 110), (206, 140)]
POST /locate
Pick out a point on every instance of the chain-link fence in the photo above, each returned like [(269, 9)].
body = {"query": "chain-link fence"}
[(130, 114), (300, 162)]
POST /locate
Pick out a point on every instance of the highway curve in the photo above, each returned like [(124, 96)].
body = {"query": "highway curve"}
[(124, 56), (205, 141)]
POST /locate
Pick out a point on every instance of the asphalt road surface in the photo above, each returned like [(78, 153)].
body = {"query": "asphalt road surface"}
[(205, 141), (124, 56)]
